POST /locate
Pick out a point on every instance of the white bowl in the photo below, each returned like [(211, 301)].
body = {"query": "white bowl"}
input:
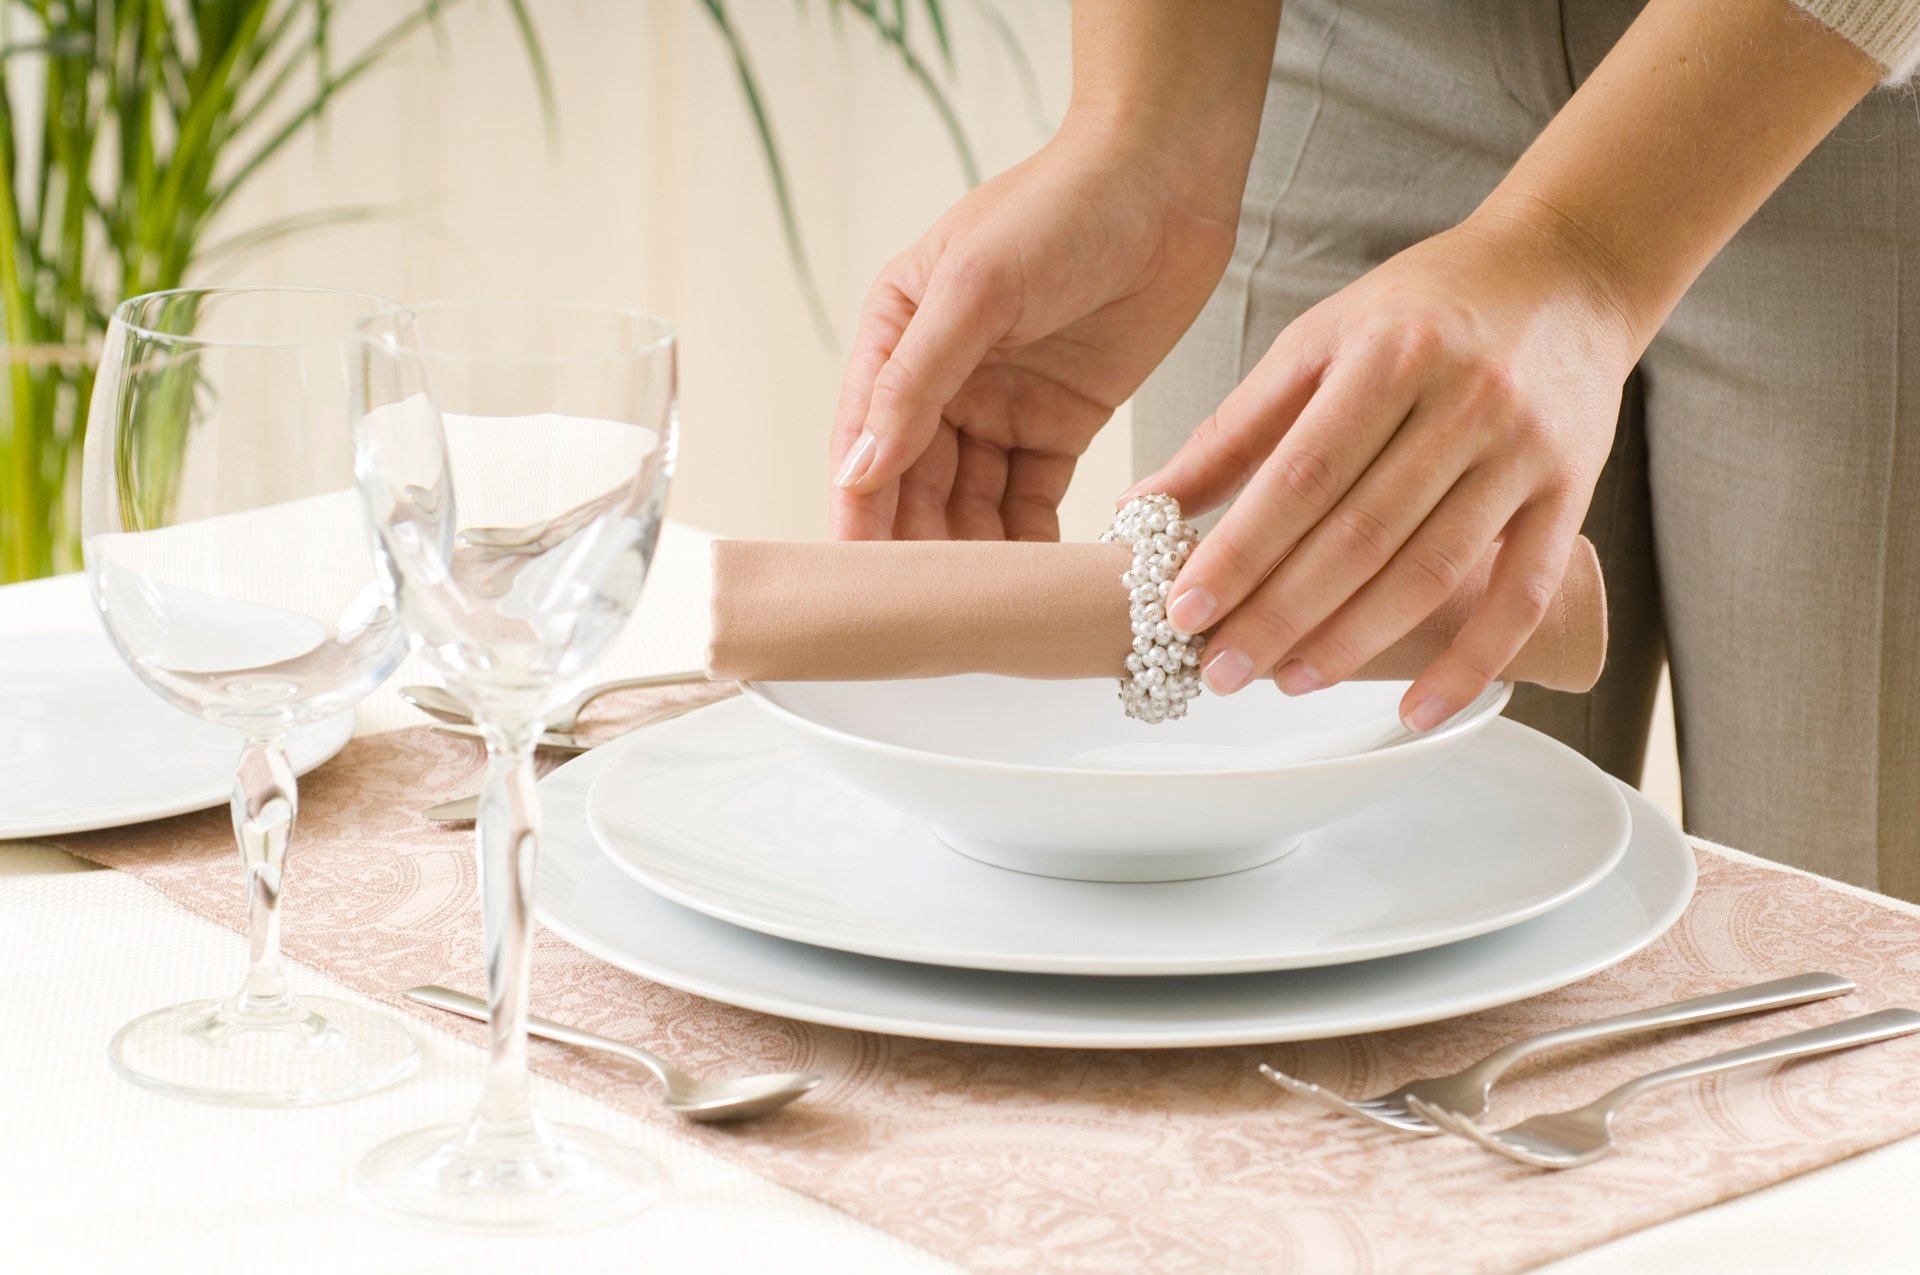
[(1050, 777)]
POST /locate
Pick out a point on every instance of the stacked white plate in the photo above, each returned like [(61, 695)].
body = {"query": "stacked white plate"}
[(717, 854), (85, 745)]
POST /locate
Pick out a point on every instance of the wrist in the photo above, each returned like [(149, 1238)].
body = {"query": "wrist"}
[(1200, 161), (1625, 302)]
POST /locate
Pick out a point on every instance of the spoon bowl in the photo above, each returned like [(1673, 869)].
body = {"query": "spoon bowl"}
[(705, 1101)]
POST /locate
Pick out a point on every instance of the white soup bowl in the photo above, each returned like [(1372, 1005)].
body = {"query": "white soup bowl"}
[(1051, 778)]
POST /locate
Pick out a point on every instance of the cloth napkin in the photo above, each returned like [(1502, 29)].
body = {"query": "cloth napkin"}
[(860, 611)]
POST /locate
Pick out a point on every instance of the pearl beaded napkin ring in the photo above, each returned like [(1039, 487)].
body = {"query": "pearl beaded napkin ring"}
[(1163, 668)]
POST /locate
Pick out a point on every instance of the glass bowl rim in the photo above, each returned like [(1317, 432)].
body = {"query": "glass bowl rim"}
[(661, 333)]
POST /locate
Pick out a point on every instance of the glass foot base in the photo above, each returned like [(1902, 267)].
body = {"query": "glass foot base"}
[(324, 1051), (570, 1180)]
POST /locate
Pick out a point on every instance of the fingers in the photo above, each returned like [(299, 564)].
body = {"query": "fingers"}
[(979, 486), (962, 315), (1373, 535), (1360, 403), (867, 515), (1526, 574), (1421, 575), (926, 487), (1036, 482)]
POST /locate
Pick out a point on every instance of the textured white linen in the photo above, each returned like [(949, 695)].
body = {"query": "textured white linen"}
[(98, 1175)]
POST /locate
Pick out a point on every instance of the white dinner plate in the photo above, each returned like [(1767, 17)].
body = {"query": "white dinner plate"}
[(721, 812), (591, 902), (84, 744)]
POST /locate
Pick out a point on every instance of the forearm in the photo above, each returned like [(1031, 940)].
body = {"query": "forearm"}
[(1178, 83), (1690, 122)]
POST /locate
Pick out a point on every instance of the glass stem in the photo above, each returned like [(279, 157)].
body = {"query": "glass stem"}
[(508, 831), (265, 802)]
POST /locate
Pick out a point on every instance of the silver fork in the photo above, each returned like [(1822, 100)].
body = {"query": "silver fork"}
[(1569, 1139), (1465, 1092)]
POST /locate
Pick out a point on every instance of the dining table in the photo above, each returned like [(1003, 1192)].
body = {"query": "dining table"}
[(97, 1174)]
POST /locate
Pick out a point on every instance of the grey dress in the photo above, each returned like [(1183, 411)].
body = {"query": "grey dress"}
[(1759, 519)]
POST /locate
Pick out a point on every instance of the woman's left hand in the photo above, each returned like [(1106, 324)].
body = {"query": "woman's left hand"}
[(1462, 393)]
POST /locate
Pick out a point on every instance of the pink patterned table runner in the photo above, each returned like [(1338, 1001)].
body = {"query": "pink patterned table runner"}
[(1007, 1159)]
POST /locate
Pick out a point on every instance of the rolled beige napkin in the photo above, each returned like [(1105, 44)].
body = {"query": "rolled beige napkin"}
[(871, 610)]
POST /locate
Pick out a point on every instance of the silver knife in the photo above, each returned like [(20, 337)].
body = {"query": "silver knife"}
[(459, 810), (467, 809), (561, 741)]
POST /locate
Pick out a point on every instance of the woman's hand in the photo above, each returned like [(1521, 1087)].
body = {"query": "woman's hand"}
[(991, 351), (1464, 392)]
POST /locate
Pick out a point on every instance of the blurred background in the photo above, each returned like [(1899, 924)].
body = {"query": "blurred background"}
[(654, 191), (601, 150)]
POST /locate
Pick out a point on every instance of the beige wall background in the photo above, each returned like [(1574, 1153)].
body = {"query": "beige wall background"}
[(654, 194)]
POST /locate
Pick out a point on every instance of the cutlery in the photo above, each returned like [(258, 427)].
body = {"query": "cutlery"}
[(459, 810), (437, 701), (708, 1101), (1568, 1139), (465, 809), (1465, 1092), (559, 741)]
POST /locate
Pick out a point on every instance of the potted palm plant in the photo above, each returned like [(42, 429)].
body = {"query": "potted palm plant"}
[(126, 126)]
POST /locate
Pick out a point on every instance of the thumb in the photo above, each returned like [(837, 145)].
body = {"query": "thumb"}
[(962, 316)]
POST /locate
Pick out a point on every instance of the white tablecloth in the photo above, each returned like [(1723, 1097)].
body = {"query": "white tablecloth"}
[(98, 1175)]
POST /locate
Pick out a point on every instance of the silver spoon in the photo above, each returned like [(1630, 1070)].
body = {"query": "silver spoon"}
[(439, 702), (708, 1101)]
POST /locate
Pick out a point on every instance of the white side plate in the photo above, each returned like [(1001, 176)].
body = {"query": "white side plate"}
[(589, 901), (85, 745), (720, 812)]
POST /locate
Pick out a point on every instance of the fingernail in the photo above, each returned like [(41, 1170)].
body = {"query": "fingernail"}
[(1227, 672), (1297, 677), (857, 460), (1193, 611), (1427, 714)]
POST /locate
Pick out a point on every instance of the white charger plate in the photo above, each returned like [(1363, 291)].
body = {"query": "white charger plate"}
[(720, 812), (84, 744), (591, 902)]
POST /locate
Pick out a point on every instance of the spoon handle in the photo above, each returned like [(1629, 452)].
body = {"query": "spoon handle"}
[(475, 1008)]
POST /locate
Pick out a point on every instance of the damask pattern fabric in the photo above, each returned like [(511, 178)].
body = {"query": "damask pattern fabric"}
[(1122, 1161)]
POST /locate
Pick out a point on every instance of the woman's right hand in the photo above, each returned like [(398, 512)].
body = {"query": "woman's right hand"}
[(991, 351)]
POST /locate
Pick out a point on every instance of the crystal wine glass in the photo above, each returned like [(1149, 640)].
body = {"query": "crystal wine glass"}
[(514, 457), (229, 559)]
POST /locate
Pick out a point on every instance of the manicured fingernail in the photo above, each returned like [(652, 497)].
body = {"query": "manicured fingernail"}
[(1227, 672), (1297, 677), (1192, 611), (857, 460), (1427, 714)]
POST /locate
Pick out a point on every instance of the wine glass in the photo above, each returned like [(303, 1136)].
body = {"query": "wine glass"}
[(228, 556), (514, 457)]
